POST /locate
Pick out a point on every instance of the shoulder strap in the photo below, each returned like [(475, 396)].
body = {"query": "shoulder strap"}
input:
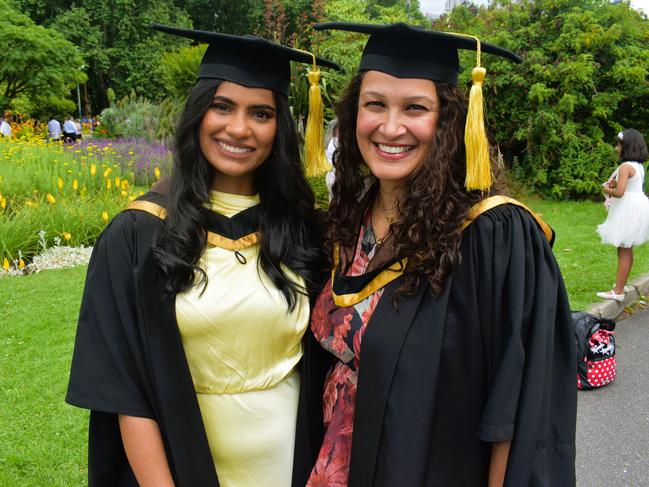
[(213, 239), (493, 201), (149, 207)]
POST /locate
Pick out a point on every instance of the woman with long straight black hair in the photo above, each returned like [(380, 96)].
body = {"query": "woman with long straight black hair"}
[(190, 339)]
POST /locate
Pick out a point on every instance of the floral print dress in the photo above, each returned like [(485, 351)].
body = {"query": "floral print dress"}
[(340, 331)]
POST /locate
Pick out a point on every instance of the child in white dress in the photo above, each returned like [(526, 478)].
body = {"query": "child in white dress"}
[(627, 223)]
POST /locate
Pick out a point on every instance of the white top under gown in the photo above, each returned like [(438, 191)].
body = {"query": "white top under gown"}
[(242, 345), (627, 223)]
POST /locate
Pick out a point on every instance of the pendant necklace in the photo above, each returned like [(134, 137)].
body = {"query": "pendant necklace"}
[(388, 219)]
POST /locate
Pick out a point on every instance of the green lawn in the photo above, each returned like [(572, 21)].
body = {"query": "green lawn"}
[(586, 264), (43, 441)]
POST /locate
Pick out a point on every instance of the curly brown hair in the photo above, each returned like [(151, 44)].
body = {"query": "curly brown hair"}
[(433, 205)]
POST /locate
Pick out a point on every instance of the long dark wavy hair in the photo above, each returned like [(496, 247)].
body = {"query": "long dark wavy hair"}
[(434, 202), (290, 231)]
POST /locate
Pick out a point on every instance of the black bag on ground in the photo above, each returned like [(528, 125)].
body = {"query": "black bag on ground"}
[(596, 362)]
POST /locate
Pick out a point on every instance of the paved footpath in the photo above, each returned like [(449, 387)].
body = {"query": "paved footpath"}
[(613, 422)]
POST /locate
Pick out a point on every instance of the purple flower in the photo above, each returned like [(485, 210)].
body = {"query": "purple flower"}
[(135, 156)]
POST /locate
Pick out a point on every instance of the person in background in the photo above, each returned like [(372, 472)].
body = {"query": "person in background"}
[(5, 127), (446, 313), (79, 129), (627, 222), (191, 337), (69, 131), (53, 130), (331, 143)]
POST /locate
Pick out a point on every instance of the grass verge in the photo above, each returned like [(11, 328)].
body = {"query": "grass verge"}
[(42, 440), (587, 265)]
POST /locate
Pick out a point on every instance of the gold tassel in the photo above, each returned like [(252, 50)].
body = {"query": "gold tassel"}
[(478, 164), (314, 151)]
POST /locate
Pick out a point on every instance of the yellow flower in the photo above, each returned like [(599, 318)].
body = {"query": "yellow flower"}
[(66, 235), (156, 172), (60, 183), (21, 264), (3, 203), (117, 181), (124, 193), (50, 199), (75, 185), (124, 185), (30, 203), (5, 265), (93, 169), (109, 183), (104, 216), (107, 172)]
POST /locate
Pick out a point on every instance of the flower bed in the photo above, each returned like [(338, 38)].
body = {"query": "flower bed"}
[(69, 192)]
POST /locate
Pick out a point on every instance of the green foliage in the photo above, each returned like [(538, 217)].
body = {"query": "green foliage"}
[(319, 187), (179, 69), (137, 117), (37, 65), (119, 49), (232, 17), (583, 79)]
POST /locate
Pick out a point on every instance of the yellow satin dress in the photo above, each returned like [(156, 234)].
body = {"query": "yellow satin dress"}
[(242, 345)]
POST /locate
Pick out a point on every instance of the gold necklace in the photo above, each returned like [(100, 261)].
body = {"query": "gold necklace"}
[(388, 219)]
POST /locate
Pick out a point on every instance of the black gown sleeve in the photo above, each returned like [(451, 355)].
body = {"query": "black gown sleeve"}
[(109, 372), (529, 350)]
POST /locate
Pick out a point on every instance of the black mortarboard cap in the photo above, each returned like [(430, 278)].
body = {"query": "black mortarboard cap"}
[(407, 51), (246, 60), (257, 63)]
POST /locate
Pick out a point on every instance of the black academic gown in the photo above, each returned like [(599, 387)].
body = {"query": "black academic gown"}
[(129, 359), (491, 359)]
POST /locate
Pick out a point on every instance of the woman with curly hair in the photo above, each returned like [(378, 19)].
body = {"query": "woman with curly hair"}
[(446, 311), (189, 349)]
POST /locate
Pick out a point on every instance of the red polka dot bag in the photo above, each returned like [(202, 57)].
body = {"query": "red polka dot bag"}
[(596, 363)]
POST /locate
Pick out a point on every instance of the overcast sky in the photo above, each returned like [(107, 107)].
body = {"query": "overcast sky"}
[(437, 6)]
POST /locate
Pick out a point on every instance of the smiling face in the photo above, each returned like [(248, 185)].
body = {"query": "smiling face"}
[(237, 135), (395, 124)]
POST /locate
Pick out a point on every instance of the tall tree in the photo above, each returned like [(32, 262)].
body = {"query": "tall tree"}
[(231, 17), (584, 78), (37, 65)]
